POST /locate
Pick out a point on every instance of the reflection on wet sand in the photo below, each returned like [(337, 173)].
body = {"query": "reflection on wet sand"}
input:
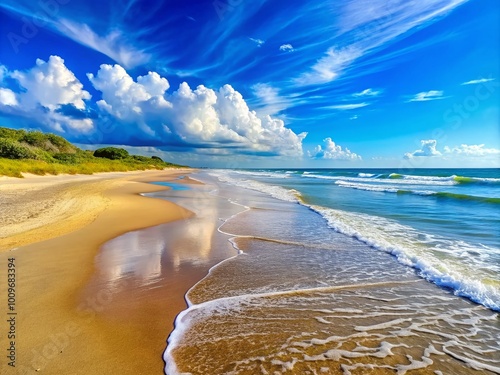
[(153, 254), (146, 273)]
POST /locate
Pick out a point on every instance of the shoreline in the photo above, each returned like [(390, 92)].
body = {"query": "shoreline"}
[(59, 330)]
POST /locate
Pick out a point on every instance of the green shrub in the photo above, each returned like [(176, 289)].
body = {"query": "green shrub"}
[(112, 153), (84, 155), (39, 153), (34, 138), (66, 158), (141, 158), (11, 133), (14, 150), (62, 144), (47, 142)]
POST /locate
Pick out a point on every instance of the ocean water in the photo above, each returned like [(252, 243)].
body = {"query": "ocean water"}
[(349, 272)]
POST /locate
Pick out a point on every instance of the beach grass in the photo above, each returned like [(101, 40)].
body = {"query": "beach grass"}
[(44, 153)]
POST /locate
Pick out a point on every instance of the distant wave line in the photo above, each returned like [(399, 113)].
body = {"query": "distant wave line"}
[(436, 194)]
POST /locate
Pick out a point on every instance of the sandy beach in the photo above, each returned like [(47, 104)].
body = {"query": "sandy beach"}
[(101, 295), (54, 226)]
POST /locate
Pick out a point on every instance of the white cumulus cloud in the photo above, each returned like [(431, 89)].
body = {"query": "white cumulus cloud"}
[(472, 150), (50, 84), (462, 152), (428, 148), (333, 152), (47, 89), (122, 96), (286, 47), (143, 112), (7, 97), (199, 118)]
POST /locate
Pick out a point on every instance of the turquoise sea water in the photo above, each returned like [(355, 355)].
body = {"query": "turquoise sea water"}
[(443, 222), (346, 272)]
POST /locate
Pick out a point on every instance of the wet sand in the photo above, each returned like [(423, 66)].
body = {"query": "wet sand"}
[(61, 328)]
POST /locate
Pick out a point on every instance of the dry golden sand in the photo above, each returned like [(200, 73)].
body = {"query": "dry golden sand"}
[(72, 216), (37, 208)]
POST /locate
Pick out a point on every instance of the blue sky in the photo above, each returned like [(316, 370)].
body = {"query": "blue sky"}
[(236, 83)]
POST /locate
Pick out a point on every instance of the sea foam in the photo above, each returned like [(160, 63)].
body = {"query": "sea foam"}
[(289, 195), (406, 244), (416, 181)]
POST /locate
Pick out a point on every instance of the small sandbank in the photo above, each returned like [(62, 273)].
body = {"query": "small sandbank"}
[(37, 208)]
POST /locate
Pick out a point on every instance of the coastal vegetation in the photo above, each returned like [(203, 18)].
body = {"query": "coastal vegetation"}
[(41, 153)]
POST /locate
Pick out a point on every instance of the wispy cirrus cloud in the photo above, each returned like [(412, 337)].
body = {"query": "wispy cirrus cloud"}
[(367, 92), (347, 107), (426, 96), (258, 42), (270, 101), (3, 72), (328, 67), (368, 25), (114, 44), (477, 81)]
